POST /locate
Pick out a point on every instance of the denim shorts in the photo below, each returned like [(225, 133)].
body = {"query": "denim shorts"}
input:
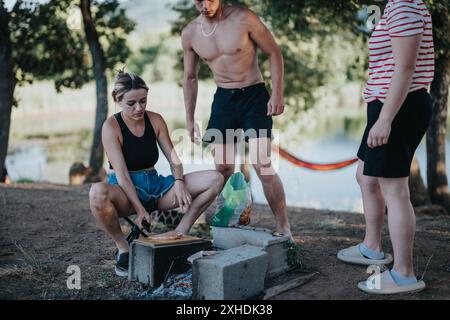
[(148, 183)]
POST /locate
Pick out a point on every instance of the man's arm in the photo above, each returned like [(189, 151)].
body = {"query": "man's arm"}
[(190, 81), (264, 40)]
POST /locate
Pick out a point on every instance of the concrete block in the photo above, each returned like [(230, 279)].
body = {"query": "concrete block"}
[(276, 247), (150, 261), (233, 274)]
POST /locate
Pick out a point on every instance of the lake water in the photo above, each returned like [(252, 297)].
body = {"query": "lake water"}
[(336, 190), (51, 131)]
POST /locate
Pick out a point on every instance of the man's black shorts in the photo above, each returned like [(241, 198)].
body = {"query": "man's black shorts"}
[(243, 108), (393, 160)]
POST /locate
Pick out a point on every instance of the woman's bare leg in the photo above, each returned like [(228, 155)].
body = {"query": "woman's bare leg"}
[(203, 186), (108, 203), (374, 208), (401, 221)]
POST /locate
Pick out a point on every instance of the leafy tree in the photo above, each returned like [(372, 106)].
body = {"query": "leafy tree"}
[(436, 173), (108, 24), (147, 55), (36, 43)]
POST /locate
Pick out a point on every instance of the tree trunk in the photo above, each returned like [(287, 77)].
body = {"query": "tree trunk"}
[(418, 191), (99, 65), (436, 169), (7, 84)]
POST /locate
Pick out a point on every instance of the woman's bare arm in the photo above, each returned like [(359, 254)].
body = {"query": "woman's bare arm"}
[(113, 150), (165, 143)]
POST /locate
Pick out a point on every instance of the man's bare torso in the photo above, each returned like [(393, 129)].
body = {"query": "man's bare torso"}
[(229, 51)]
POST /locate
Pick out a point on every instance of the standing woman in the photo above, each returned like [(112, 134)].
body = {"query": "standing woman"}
[(131, 138), (401, 68)]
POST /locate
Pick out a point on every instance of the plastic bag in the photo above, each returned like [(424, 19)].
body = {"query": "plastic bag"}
[(234, 204)]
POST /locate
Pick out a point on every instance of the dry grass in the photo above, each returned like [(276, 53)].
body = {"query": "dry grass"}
[(31, 260), (14, 270), (330, 224)]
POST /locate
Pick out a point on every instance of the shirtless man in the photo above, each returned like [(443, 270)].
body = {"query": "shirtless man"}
[(226, 38)]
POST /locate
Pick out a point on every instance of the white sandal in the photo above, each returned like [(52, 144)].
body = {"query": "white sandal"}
[(353, 255), (385, 284)]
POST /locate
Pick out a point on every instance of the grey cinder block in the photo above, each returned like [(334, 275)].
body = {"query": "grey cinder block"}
[(150, 262), (276, 247), (233, 274)]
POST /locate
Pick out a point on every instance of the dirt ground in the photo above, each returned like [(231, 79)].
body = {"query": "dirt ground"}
[(46, 228)]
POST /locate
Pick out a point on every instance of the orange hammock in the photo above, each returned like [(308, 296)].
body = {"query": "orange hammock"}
[(312, 166)]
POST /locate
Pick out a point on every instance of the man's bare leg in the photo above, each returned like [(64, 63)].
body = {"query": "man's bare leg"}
[(224, 158), (260, 150)]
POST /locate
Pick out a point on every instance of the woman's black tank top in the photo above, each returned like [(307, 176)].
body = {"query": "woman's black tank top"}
[(139, 152)]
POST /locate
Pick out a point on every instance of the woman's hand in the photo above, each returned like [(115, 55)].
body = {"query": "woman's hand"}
[(141, 215), (182, 196), (379, 133)]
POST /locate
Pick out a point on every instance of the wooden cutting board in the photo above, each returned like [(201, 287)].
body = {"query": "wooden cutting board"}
[(155, 242)]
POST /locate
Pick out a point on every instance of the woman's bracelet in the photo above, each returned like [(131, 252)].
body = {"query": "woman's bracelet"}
[(181, 179)]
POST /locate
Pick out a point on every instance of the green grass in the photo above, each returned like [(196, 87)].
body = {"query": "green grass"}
[(24, 180), (293, 257)]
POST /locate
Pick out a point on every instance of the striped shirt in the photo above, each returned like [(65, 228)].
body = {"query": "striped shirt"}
[(401, 18)]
